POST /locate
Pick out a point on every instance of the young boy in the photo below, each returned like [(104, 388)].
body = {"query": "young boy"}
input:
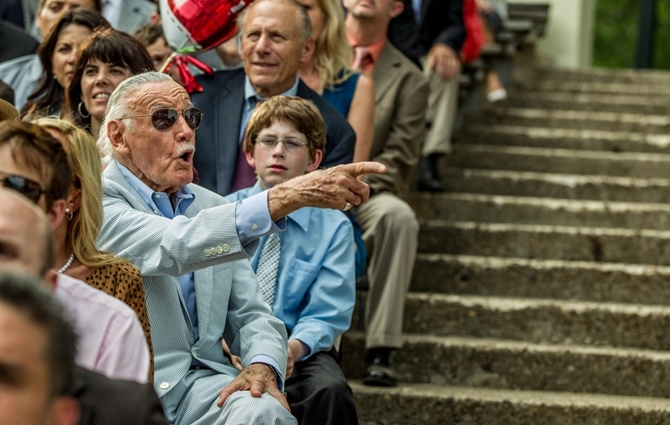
[(307, 275)]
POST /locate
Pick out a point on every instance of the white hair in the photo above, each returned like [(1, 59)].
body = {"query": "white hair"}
[(117, 106)]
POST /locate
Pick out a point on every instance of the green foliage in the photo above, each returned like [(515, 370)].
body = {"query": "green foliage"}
[(616, 33)]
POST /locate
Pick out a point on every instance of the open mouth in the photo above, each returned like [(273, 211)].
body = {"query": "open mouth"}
[(101, 96)]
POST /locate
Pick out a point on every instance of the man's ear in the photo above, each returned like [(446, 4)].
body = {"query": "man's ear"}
[(398, 7), (57, 213), (115, 133), (316, 161), (307, 50), (251, 160), (65, 410)]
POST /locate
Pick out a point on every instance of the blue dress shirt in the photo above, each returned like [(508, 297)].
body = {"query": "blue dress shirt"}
[(316, 289)]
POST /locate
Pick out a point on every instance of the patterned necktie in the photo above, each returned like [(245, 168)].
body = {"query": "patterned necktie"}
[(268, 263), (362, 58)]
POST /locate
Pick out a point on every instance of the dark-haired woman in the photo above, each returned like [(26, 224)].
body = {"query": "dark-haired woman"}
[(58, 54), (106, 59)]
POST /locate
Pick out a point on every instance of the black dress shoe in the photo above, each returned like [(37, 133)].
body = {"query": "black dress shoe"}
[(379, 371), (429, 179)]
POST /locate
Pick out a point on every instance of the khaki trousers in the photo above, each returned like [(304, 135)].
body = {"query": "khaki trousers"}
[(391, 233), (441, 113)]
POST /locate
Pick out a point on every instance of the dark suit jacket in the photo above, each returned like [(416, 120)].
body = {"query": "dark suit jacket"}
[(105, 401), (441, 21), (222, 100), (15, 42)]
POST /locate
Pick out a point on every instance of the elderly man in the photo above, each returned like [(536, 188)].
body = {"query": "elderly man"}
[(390, 229), (276, 38), (25, 234), (185, 240)]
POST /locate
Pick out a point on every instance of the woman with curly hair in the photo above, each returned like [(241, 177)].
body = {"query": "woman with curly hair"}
[(106, 59), (75, 239), (329, 74), (58, 56)]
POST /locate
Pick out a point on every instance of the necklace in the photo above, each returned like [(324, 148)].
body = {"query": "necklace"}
[(67, 265)]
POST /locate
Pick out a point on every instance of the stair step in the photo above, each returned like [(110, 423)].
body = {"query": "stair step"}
[(651, 90), (610, 121), (548, 242), (531, 278), (563, 138), (539, 320), (420, 404), (636, 165), (588, 102), (488, 363), (562, 186), (619, 76), (542, 211)]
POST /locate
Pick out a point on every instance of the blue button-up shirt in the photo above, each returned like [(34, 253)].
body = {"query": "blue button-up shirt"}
[(315, 290)]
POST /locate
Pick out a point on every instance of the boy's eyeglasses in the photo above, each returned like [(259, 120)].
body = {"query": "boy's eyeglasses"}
[(163, 119), (28, 188), (289, 144)]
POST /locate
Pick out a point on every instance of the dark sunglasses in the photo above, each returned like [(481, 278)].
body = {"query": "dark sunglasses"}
[(28, 188), (163, 119)]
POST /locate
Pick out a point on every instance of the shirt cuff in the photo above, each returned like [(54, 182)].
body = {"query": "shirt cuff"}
[(262, 358), (252, 218)]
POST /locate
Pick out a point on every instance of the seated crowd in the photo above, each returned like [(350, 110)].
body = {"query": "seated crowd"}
[(130, 293)]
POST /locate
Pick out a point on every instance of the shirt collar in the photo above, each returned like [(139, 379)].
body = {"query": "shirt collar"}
[(249, 91), (300, 217), (375, 48), (159, 202)]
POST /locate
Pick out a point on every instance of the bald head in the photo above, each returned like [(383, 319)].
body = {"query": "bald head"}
[(25, 236)]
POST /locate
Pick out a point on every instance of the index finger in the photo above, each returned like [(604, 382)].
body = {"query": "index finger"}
[(366, 167)]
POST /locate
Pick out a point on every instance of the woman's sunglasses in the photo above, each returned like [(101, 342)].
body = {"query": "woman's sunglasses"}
[(163, 119), (28, 188)]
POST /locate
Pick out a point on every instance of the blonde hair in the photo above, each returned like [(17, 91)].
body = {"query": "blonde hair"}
[(332, 53), (85, 225)]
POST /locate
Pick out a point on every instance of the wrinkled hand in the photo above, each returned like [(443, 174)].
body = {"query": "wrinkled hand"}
[(444, 61), (258, 378), (330, 188)]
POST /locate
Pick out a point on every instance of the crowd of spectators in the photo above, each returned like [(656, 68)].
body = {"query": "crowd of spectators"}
[(132, 294)]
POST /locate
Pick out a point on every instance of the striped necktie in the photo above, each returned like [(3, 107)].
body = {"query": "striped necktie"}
[(268, 263)]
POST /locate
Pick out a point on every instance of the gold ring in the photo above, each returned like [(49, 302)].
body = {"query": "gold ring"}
[(347, 207)]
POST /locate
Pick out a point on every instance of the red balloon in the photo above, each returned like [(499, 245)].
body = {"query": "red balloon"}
[(200, 24)]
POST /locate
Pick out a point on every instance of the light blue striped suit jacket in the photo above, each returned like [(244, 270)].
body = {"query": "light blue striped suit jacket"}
[(204, 241)]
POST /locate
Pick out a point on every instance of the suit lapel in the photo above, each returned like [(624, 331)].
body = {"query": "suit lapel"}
[(383, 75), (230, 103)]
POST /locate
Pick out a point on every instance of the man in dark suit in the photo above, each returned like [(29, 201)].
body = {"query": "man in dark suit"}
[(432, 32), (273, 47)]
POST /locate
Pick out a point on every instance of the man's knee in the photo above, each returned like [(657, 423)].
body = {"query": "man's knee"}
[(241, 408), (398, 215)]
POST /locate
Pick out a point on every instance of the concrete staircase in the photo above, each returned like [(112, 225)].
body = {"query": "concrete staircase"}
[(541, 293)]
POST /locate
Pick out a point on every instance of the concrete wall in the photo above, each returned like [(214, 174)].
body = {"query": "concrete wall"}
[(568, 40)]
